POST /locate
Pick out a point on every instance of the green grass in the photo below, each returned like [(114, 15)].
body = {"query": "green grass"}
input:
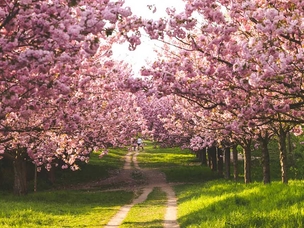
[(204, 199), (150, 213), (229, 204), (178, 165), (52, 208), (61, 208), (209, 201), (158, 157)]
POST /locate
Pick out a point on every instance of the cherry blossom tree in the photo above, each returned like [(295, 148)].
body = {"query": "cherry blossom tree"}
[(238, 72), (248, 61), (46, 106)]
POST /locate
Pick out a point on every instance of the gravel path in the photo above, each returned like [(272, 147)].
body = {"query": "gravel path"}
[(154, 178)]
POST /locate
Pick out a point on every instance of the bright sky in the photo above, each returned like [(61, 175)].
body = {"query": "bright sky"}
[(144, 52), (139, 7)]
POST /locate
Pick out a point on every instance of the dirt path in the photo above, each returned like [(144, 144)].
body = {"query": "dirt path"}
[(154, 178)]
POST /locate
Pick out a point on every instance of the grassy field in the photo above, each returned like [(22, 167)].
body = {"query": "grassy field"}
[(204, 198), (50, 207), (229, 204)]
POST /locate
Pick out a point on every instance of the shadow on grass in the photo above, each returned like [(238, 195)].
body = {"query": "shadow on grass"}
[(96, 169), (189, 174)]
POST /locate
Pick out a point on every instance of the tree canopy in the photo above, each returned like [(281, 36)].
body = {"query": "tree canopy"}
[(230, 72)]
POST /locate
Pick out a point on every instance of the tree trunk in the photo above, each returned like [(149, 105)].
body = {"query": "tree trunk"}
[(220, 163), (212, 154), (1, 174), (265, 161), (51, 175), (209, 157), (291, 158), (227, 163), (203, 156), (247, 163), (197, 155), (235, 163), (283, 155), (20, 182)]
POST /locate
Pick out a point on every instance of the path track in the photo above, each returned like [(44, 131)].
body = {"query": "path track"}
[(154, 179)]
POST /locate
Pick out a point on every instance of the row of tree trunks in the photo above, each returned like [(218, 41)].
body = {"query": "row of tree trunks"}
[(264, 139), (214, 158)]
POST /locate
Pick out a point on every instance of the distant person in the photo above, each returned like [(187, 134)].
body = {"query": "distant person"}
[(140, 144)]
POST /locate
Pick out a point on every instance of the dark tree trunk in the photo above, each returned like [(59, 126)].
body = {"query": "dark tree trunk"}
[(51, 175), (220, 162), (247, 163), (197, 154), (214, 159), (209, 157), (291, 158), (227, 163), (212, 154), (1, 174), (265, 161), (235, 163), (203, 156), (283, 155), (20, 182)]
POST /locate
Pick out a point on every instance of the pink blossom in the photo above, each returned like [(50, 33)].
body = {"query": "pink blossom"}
[(297, 130)]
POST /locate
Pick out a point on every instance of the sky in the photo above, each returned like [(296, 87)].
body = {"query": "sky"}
[(145, 52)]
